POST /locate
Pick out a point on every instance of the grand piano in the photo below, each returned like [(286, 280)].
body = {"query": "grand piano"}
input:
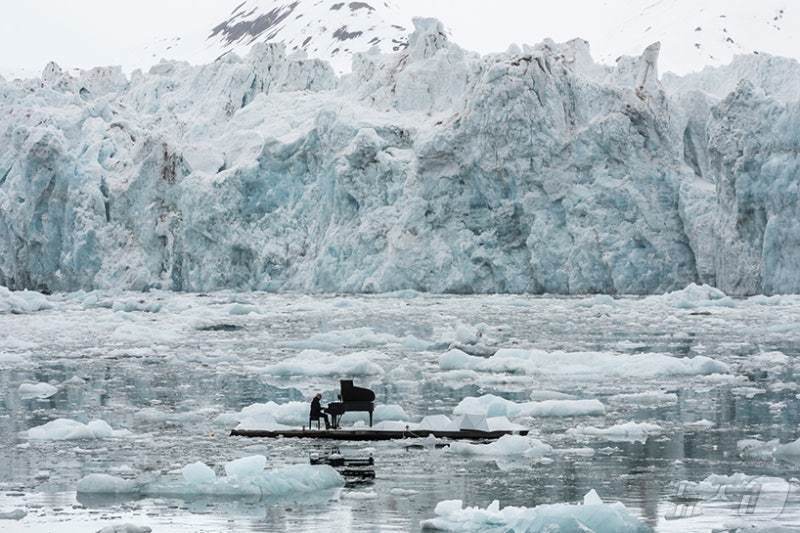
[(351, 400)]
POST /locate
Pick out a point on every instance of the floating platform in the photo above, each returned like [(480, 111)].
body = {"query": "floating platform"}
[(374, 435)]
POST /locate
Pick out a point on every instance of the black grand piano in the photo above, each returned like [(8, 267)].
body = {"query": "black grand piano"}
[(351, 400)]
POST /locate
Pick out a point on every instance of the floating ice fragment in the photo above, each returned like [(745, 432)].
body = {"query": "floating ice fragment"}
[(320, 364), (695, 296), (648, 398), (593, 516), (42, 391), (65, 429), (106, 484), (507, 445), (582, 365), (125, 528), (543, 395), (490, 405), (198, 474), (246, 467), (23, 302), (397, 491), (361, 495), (279, 482), (16, 514), (629, 431)]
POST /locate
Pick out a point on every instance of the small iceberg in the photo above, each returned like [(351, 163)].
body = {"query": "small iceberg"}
[(508, 445), (41, 391), (65, 429), (593, 516), (627, 432), (244, 477)]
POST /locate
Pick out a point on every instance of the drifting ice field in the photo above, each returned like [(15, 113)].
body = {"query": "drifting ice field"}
[(109, 401)]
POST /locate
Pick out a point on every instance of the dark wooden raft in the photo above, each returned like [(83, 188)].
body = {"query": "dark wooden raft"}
[(371, 435)]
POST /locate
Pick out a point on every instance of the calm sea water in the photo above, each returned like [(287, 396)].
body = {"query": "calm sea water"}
[(152, 366)]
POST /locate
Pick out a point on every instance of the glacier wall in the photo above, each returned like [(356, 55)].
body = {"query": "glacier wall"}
[(435, 169)]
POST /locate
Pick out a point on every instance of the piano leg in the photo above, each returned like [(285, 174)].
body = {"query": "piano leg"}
[(370, 419)]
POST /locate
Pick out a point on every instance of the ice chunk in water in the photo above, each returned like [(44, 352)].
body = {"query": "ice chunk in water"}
[(437, 423), (473, 422), (593, 516), (125, 528), (23, 302), (16, 514), (243, 480), (582, 365), (198, 474), (106, 484), (695, 296), (314, 363), (627, 432), (29, 391), (246, 467), (508, 445), (491, 405), (65, 429)]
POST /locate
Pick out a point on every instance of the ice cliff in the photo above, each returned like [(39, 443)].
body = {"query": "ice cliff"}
[(435, 169)]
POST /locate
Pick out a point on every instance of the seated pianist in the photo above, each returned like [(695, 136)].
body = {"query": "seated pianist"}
[(317, 412), (351, 399)]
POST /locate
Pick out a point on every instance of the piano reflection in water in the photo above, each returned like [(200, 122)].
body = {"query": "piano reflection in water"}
[(352, 399)]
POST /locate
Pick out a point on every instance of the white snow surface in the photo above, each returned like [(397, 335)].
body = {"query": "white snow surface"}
[(432, 168), (593, 516)]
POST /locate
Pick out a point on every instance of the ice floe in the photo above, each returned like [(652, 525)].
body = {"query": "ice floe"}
[(695, 296), (593, 516), (125, 528), (647, 398), (42, 391), (757, 449), (492, 406), (583, 365), (628, 431), (359, 338), (507, 445), (22, 302), (16, 514), (65, 429), (320, 364), (244, 477)]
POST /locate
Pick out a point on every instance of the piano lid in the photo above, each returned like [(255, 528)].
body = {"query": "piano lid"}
[(351, 393)]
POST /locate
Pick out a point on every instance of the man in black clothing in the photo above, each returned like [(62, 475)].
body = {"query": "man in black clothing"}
[(318, 412)]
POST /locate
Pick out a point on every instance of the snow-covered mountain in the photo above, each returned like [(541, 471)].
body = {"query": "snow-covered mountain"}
[(332, 30), (695, 34)]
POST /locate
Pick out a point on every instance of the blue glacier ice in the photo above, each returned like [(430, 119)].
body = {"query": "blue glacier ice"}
[(431, 169)]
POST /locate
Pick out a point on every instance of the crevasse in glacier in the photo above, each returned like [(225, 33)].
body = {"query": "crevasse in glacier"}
[(534, 170)]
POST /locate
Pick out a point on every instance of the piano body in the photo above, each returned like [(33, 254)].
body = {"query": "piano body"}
[(352, 400)]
